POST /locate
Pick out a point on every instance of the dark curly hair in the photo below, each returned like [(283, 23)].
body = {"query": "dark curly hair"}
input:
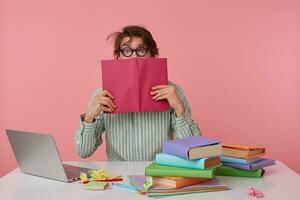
[(134, 31)]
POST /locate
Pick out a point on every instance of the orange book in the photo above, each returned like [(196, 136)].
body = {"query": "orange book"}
[(176, 182), (242, 151)]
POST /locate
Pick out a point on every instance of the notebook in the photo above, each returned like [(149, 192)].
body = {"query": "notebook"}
[(131, 80)]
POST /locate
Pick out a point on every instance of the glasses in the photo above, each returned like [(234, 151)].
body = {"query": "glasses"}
[(140, 51)]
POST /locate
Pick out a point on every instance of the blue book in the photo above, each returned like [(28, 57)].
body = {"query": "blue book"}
[(171, 160), (263, 162), (193, 147), (238, 160)]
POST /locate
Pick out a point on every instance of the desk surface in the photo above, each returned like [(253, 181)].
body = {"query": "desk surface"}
[(279, 182)]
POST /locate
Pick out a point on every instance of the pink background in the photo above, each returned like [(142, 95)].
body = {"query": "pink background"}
[(237, 61)]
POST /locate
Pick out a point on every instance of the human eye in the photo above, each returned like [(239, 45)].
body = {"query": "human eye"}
[(126, 51), (142, 50)]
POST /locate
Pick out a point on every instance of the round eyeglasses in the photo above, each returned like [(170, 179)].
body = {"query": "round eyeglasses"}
[(140, 51)]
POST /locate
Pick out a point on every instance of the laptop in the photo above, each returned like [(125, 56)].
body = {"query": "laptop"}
[(37, 155)]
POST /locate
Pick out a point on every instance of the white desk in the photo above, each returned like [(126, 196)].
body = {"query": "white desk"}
[(279, 182)]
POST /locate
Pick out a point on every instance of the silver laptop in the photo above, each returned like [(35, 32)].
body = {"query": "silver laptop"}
[(37, 155)]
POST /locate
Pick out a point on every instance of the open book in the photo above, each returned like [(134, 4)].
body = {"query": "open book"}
[(131, 80)]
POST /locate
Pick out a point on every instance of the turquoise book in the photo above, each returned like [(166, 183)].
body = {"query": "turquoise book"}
[(172, 160)]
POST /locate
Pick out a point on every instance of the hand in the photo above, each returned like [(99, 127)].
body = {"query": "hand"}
[(168, 92), (101, 102)]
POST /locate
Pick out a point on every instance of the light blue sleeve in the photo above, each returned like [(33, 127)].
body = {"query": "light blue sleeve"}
[(88, 136), (183, 126)]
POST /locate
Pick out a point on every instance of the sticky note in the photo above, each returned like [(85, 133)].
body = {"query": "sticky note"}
[(95, 185)]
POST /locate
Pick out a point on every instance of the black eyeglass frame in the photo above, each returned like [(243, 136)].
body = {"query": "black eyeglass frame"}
[(134, 50)]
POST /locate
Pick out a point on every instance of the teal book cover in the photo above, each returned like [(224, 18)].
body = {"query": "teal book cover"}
[(171, 160)]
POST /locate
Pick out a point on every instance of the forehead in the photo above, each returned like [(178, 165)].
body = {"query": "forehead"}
[(134, 42)]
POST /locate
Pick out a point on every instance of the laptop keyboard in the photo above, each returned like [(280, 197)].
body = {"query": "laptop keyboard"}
[(71, 168), (73, 172)]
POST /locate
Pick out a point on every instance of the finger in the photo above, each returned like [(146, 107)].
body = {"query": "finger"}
[(159, 91), (107, 93), (159, 87), (106, 103), (160, 94), (101, 96), (109, 101), (106, 99), (165, 96), (106, 109)]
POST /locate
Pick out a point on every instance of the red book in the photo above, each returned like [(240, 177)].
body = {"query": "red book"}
[(131, 80)]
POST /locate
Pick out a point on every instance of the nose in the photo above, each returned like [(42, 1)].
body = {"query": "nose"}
[(134, 55)]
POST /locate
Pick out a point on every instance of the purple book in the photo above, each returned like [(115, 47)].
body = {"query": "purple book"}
[(264, 162), (181, 147)]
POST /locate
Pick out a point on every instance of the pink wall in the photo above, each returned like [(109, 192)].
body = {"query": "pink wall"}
[(238, 62)]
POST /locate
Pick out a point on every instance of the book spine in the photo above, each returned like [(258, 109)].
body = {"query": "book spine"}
[(238, 166), (233, 160)]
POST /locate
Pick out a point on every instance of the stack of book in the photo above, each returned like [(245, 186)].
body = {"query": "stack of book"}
[(244, 161), (185, 166)]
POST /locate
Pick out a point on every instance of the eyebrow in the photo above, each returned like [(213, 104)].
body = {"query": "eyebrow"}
[(127, 44)]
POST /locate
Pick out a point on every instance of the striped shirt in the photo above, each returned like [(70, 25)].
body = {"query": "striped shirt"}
[(134, 136)]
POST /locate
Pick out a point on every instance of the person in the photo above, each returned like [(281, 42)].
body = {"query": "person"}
[(134, 136)]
